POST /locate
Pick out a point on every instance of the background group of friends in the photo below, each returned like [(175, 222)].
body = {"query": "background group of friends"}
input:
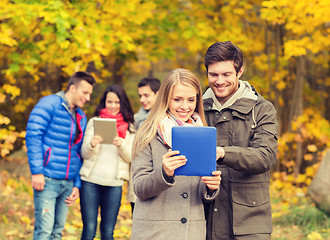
[(68, 161)]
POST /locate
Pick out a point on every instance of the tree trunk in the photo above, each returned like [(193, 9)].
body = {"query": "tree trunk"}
[(327, 100), (115, 65), (117, 71), (296, 109), (151, 71), (274, 93)]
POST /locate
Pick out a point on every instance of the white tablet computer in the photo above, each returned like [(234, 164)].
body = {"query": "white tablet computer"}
[(106, 128)]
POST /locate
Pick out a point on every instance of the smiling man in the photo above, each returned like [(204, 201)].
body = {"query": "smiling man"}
[(147, 89), (54, 136), (247, 144)]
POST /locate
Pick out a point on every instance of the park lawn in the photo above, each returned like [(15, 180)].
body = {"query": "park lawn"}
[(17, 221), (16, 212)]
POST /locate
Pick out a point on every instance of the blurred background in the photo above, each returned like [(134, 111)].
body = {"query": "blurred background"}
[(286, 51)]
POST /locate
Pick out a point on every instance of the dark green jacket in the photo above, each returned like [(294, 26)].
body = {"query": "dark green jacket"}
[(247, 130)]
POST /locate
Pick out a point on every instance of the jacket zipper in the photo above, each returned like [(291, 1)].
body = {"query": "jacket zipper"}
[(70, 147), (70, 142)]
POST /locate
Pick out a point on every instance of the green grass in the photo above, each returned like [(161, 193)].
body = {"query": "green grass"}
[(303, 221)]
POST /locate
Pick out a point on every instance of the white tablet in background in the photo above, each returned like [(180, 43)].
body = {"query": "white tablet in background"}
[(106, 128)]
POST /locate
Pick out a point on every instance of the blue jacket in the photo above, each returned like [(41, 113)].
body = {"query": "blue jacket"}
[(53, 149)]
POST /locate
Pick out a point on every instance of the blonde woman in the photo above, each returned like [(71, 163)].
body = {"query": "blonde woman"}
[(168, 206)]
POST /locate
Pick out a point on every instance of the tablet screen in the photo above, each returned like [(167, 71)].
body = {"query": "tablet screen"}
[(106, 128), (199, 145)]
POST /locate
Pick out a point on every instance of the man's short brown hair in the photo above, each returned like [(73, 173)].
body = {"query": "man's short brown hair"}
[(224, 51)]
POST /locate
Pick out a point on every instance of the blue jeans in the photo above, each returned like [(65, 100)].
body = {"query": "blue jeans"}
[(50, 210), (93, 196)]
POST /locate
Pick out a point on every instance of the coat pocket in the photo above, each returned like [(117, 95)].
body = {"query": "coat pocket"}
[(251, 208), (47, 156)]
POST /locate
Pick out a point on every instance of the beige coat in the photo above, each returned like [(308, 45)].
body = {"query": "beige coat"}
[(164, 210), (90, 155)]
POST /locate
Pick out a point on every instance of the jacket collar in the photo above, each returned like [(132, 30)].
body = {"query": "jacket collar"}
[(140, 117), (61, 94), (246, 97), (66, 104)]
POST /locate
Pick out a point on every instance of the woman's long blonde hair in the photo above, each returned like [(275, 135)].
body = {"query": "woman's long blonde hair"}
[(148, 130)]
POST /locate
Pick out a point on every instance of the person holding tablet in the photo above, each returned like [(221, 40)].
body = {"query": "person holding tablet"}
[(170, 207), (106, 166), (247, 133)]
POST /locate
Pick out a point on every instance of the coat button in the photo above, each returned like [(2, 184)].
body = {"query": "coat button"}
[(183, 220), (224, 118), (215, 209), (184, 195), (254, 203)]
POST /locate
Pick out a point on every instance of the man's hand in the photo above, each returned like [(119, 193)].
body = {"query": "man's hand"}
[(73, 196), (38, 182), (220, 152)]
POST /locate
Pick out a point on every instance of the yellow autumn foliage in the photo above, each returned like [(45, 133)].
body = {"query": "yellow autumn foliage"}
[(45, 42), (314, 236)]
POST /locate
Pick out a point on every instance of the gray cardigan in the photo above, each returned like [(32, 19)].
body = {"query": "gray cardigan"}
[(166, 210)]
